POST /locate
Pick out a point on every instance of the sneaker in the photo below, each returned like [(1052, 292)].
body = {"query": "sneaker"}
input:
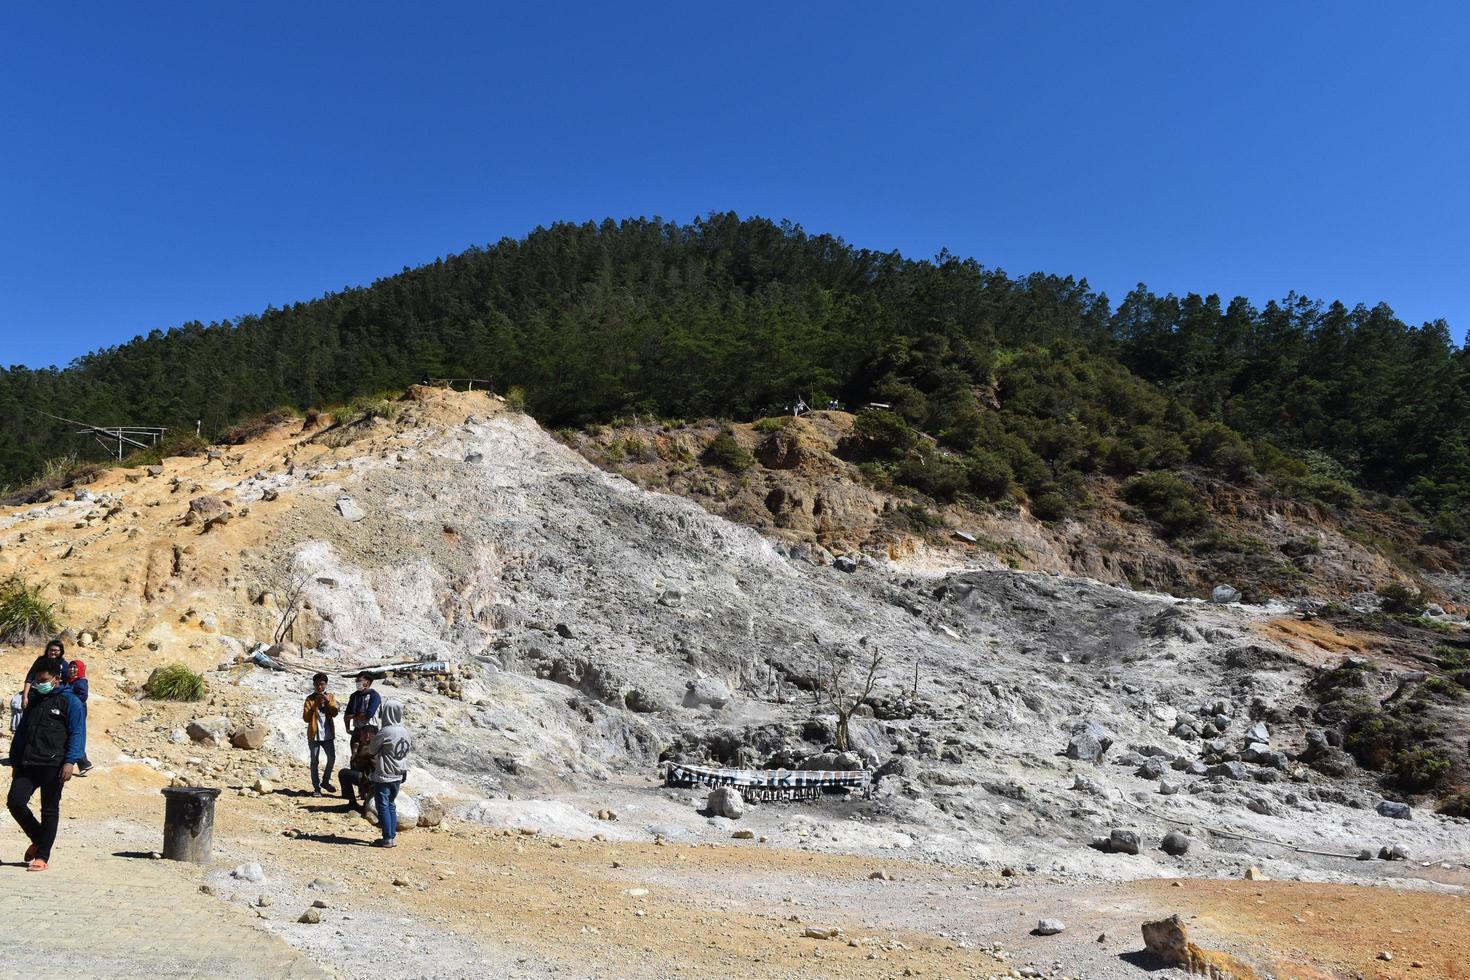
[(328, 787), (84, 768), (380, 842), (36, 864), (316, 792)]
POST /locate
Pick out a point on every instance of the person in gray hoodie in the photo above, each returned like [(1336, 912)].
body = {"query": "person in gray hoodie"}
[(389, 749)]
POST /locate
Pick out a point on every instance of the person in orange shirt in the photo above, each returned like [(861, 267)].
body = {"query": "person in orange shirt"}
[(320, 713)]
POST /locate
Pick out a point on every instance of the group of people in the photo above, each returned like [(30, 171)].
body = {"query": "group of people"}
[(379, 746), (48, 746)]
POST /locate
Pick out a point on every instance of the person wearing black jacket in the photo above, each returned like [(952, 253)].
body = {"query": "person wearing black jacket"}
[(51, 740), (55, 650), (354, 779)]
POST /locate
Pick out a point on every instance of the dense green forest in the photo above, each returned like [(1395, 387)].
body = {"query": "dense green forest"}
[(1030, 384)]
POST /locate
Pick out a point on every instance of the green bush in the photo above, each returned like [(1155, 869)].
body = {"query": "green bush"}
[(1420, 770), (1455, 806), (1400, 600), (24, 615), (1301, 547), (934, 474), (1050, 506), (1318, 488), (1221, 448), (175, 682), (515, 399), (1166, 500), (883, 434), (1236, 544), (989, 476), (772, 423), (636, 449), (725, 452), (1378, 739)]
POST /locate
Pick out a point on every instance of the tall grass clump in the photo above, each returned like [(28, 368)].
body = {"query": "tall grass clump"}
[(174, 683), (24, 615)]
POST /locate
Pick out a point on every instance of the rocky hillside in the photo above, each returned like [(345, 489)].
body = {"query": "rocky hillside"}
[(799, 481), (594, 627)]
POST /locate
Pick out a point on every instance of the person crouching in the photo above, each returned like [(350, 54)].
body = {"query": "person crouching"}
[(356, 780)]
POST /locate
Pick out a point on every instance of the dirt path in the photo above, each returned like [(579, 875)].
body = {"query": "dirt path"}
[(102, 913), (470, 899)]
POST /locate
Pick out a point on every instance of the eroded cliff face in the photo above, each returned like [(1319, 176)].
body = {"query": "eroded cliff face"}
[(804, 489), (593, 627)]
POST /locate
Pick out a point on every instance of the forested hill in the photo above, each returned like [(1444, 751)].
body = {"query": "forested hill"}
[(1033, 383)]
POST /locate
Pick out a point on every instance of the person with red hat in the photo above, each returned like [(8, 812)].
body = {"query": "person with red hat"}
[(76, 676)]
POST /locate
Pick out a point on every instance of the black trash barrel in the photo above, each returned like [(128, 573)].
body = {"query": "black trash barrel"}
[(188, 822)]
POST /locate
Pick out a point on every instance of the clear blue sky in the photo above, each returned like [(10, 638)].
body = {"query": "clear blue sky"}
[(163, 162)]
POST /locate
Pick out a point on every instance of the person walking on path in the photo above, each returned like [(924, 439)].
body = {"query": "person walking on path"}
[(320, 714), (76, 676), (51, 740), (389, 749), (55, 650), (364, 705)]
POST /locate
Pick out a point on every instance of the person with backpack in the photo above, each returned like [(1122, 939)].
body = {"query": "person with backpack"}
[(320, 713), (364, 705), (55, 650), (389, 749), (76, 676), (50, 742)]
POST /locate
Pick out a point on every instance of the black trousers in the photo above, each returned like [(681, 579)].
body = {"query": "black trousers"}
[(350, 780), (24, 781)]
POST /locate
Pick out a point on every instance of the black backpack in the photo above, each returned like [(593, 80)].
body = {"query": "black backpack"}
[(46, 728)]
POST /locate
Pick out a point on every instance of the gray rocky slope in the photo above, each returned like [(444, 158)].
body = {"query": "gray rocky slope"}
[(599, 628)]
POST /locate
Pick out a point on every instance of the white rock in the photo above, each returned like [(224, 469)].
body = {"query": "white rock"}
[(408, 811), (725, 801), (348, 508), (249, 872)]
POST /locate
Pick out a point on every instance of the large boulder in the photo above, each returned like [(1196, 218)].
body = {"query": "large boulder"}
[(1395, 810), (1124, 842), (899, 765), (1089, 742), (431, 811), (1224, 594), (832, 762), (1155, 768), (205, 510), (1168, 940), (706, 692), (408, 811), (1175, 844), (1227, 770), (725, 801), (212, 730), (250, 736), (642, 702)]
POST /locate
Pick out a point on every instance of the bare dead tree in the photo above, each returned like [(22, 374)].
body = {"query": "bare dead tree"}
[(843, 690), (291, 609)]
